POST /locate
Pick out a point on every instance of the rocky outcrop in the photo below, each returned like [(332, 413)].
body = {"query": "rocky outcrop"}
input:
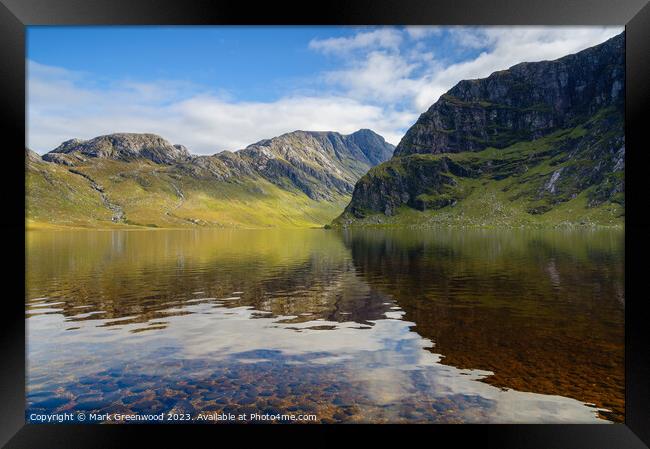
[(418, 182), (525, 102), (121, 146)]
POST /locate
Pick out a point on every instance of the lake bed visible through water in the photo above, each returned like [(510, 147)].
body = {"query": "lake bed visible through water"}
[(396, 326)]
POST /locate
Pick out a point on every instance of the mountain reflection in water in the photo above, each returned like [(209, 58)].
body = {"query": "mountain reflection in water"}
[(358, 326)]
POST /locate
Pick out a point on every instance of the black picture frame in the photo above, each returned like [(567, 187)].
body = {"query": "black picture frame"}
[(15, 15)]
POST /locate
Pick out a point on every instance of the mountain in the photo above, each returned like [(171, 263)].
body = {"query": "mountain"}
[(32, 155), (301, 178), (539, 143), (320, 164), (122, 146)]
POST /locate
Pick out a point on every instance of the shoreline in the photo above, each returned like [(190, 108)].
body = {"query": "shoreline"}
[(559, 226)]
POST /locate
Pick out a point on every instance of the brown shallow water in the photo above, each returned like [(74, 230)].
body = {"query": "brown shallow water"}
[(361, 326)]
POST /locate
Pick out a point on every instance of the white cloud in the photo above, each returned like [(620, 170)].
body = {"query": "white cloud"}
[(507, 46), (60, 108), (422, 31), (387, 77), (416, 76), (235, 125), (380, 76), (386, 38)]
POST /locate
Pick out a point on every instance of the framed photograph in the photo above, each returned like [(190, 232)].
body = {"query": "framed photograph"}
[(399, 218)]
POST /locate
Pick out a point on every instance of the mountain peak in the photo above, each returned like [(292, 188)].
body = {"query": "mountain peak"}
[(366, 132), (364, 145), (317, 162), (373, 146), (120, 146)]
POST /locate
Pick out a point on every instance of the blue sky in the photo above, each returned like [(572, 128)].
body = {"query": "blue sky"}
[(217, 88)]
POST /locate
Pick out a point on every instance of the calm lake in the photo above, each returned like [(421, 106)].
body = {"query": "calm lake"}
[(434, 326)]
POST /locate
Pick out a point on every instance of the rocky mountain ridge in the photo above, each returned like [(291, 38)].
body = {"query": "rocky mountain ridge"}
[(302, 177), (317, 163)]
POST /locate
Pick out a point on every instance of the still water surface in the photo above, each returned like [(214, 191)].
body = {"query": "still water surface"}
[(359, 326)]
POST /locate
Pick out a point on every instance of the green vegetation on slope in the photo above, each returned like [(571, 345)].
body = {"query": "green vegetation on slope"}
[(559, 179), (56, 197), (146, 194)]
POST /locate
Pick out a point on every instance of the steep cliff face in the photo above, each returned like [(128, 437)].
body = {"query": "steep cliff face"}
[(525, 102), (417, 182), (540, 142)]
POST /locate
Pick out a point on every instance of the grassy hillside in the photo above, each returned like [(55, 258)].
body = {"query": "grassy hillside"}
[(487, 205), (551, 181), (58, 198), (108, 193), (298, 179)]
